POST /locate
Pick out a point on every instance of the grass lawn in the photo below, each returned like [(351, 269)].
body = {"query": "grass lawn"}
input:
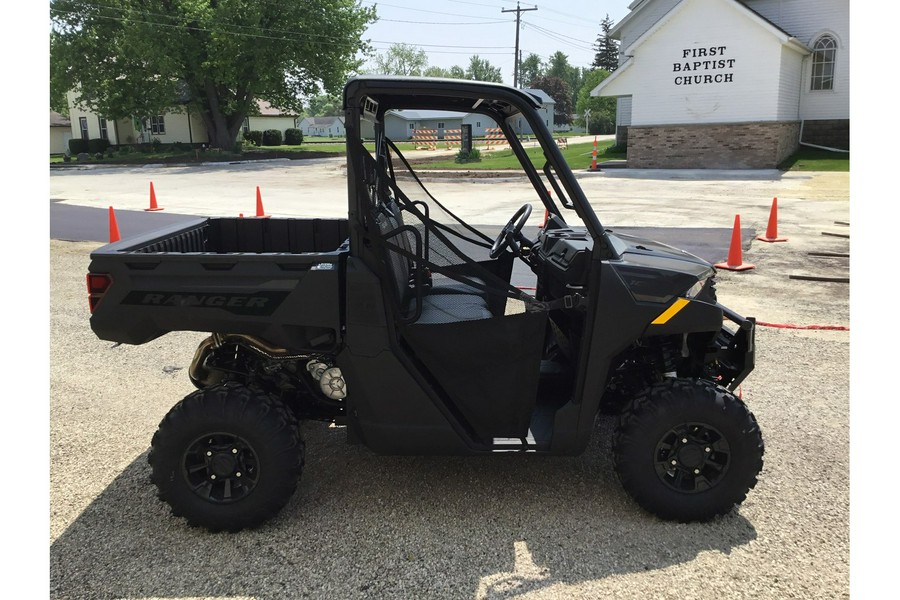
[(336, 147), (813, 159), (578, 156)]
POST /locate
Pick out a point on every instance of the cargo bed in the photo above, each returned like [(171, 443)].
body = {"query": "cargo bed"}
[(278, 279)]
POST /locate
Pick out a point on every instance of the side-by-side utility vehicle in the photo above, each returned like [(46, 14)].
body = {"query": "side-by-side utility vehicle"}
[(402, 325)]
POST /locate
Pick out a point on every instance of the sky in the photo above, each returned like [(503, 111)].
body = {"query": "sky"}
[(451, 31)]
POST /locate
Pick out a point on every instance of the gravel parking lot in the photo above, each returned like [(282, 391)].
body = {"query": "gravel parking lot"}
[(366, 526)]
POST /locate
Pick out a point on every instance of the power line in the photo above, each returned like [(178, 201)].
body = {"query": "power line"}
[(518, 12), (434, 12), (443, 22), (558, 37), (292, 36)]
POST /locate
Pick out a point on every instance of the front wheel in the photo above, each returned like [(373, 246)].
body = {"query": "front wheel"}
[(227, 457), (687, 450)]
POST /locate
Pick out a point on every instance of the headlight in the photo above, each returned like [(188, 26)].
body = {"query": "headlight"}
[(695, 289)]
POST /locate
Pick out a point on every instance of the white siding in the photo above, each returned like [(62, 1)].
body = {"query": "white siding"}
[(397, 128), (789, 85), (771, 81), (177, 128), (806, 20), (745, 68), (746, 71), (479, 123), (623, 111), (644, 20), (59, 140)]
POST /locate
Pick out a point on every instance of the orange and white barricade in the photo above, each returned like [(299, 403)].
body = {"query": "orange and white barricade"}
[(493, 136), (453, 138), (425, 139)]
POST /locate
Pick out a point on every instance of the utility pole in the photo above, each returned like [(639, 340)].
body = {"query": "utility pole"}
[(518, 12)]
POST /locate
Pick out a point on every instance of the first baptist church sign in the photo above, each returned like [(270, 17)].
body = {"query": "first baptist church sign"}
[(695, 60)]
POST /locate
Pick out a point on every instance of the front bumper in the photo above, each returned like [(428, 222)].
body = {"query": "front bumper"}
[(736, 349)]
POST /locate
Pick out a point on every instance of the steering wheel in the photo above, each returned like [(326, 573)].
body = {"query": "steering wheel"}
[(509, 235)]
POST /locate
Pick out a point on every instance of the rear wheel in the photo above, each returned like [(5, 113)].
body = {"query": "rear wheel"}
[(687, 450), (227, 457)]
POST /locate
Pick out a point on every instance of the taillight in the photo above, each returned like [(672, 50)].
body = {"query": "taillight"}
[(97, 284)]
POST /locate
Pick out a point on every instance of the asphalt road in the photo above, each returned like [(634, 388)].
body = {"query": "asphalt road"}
[(365, 526)]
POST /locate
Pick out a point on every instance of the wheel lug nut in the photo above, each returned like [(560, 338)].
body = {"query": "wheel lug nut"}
[(234, 450), (707, 449), (674, 462), (696, 471), (684, 440), (209, 453), (238, 474), (212, 476)]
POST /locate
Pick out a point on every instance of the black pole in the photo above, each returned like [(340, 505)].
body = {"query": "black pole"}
[(518, 12)]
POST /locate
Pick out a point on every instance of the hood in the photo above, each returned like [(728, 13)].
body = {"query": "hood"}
[(656, 272)]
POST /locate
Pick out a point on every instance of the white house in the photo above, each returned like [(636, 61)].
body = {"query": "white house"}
[(400, 124), (60, 133), (728, 83), (322, 126), (175, 126)]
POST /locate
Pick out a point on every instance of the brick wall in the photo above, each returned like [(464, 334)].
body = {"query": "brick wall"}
[(831, 133), (717, 146)]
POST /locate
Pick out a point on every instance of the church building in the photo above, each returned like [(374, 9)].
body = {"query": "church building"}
[(730, 84)]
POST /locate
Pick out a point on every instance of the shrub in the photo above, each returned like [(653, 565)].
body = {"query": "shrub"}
[(156, 144), (181, 147), (474, 155), (293, 137), (97, 145), (254, 137), (125, 149), (238, 147), (78, 146), (271, 137)]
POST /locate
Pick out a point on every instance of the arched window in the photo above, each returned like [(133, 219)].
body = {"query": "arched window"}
[(824, 51)]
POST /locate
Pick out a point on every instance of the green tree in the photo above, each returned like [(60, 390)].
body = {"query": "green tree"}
[(435, 71), (58, 100), (559, 90), (401, 59), (558, 66), (530, 69), (482, 70), (144, 57), (607, 56), (325, 105), (602, 119), (456, 72)]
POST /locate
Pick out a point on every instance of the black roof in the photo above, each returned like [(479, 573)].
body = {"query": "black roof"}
[(426, 93)]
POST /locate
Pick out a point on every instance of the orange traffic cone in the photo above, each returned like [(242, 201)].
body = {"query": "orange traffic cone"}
[(259, 206), (153, 204), (735, 257), (546, 212), (594, 156), (113, 227), (772, 229)]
